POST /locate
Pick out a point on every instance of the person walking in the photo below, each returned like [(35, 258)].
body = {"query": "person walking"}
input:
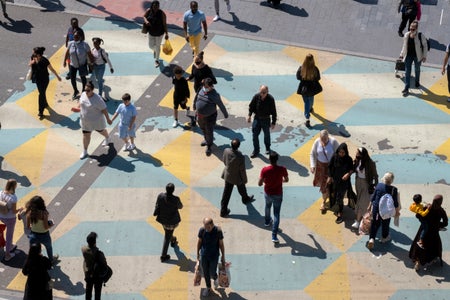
[(217, 8), (74, 27), (193, 20), (366, 181), (181, 93), (39, 222), (156, 22), (200, 71), (80, 55), (210, 241), (101, 58), (127, 125), (321, 152), (205, 104), (309, 86), (263, 107), (93, 113), (233, 174), (273, 177), (3, 3), (167, 214), (38, 280), (446, 65), (92, 257), (408, 9), (8, 196), (40, 66), (384, 187), (414, 50)]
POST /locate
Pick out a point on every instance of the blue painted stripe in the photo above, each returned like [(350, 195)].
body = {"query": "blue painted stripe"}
[(133, 63), (108, 296), (16, 137), (232, 44), (99, 24), (60, 179)]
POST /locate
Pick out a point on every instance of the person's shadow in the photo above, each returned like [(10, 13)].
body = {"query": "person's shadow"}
[(287, 8), (332, 127), (138, 155), (240, 25), (62, 282), (19, 26), (62, 120), (301, 249), (429, 96), (22, 180)]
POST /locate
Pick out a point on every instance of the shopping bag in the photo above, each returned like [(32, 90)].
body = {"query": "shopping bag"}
[(2, 238), (197, 274), (167, 48), (364, 225), (224, 275)]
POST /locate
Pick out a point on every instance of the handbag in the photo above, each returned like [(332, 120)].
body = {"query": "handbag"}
[(399, 65), (29, 74), (364, 226), (224, 275), (144, 29)]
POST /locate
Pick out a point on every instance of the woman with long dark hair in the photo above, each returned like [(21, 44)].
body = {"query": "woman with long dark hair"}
[(40, 66), (36, 268), (200, 71)]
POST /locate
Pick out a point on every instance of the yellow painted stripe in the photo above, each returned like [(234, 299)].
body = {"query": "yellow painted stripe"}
[(438, 95), (177, 42), (301, 155), (18, 283), (444, 150), (172, 285)]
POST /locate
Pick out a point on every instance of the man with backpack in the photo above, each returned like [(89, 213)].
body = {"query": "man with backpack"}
[(415, 49), (384, 206)]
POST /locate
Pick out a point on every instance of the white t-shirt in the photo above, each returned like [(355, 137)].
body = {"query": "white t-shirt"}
[(91, 115), (10, 199)]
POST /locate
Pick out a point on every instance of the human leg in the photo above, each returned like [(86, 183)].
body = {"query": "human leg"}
[(277, 200), (86, 140), (4, 8), (269, 201), (152, 44), (88, 292), (256, 130), (209, 129), (408, 64), (83, 81), (417, 64), (216, 6), (73, 80), (266, 130), (10, 224), (99, 72), (403, 24), (243, 192), (194, 41), (46, 240), (167, 238), (158, 40), (385, 228), (448, 78), (98, 290), (227, 190), (206, 267), (42, 89), (307, 106)]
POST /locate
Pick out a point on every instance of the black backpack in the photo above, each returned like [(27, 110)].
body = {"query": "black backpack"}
[(421, 44)]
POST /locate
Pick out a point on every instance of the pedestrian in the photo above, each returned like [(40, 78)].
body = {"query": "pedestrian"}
[(127, 125), (181, 93), (408, 9), (3, 3), (38, 285), (80, 55), (155, 21), (74, 27), (210, 241), (263, 107), (421, 211), (205, 104), (92, 257), (101, 58), (384, 187), (200, 71), (366, 181), (309, 86), (340, 169), (93, 113), (414, 50), (446, 65), (321, 152), (167, 214), (40, 66), (273, 177), (233, 174), (216, 7), (38, 220), (8, 195), (193, 20)]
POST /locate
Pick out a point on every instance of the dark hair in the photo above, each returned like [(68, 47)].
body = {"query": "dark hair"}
[(364, 158), (97, 40), (208, 82), (73, 19), (235, 143), (90, 84), (417, 198), (37, 206), (126, 96), (39, 50), (11, 185), (170, 188), (273, 158), (200, 55), (177, 70), (437, 202), (154, 3), (33, 254), (91, 239)]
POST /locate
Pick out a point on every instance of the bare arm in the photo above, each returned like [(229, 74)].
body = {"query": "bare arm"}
[(222, 250), (199, 246), (54, 72)]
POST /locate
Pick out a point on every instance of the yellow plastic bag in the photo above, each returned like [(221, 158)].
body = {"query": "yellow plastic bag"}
[(167, 48)]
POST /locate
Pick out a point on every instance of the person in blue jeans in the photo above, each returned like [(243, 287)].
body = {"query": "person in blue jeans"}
[(414, 50), (101, 58), (210, 241), (273, 177)]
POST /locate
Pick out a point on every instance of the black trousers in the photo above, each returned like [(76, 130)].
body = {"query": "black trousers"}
[(405, 19), (97, 285), (228, 189), (42, 88)]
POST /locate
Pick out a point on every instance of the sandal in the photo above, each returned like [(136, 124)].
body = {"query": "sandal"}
[(323, 209)]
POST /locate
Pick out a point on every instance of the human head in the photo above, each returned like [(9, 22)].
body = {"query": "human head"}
[(11, 185), (342, 150), (170, 188), (324, 136), (194, 7), (361, 153), (74, 22), (308, 62), (235, 143), (199, 58), (208, 83), (35, 250), (273, 158), (126, 98), (414, 26), (388, 178), (91, 239), (76, 36), (39, 50), (437, 201), (89, 88), (208, 224), (37, 203), (417, 198), (263, 91), (155, 5), (97, 42)]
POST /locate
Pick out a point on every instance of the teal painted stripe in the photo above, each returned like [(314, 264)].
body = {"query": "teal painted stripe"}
[(232, 44), (124, 238), (424, 168), (400, 111), (28, 88), (435, 294), (16, 137), (99, 24), (133, 63)]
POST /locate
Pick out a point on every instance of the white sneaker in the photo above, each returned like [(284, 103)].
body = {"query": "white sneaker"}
[(228, 7), (125, 147), (205, 292), (106, 142), (131, 147), (355, 225), (216, 283), (83, 154), (386, 239), (216, 18), (175, 124), (370, 244)]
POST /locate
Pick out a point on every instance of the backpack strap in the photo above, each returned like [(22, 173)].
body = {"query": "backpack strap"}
[(420, 40)]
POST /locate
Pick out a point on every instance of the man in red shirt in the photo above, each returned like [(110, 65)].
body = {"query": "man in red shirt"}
[(273, 177)]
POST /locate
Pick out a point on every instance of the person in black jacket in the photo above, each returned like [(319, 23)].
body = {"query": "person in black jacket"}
[(36, 268), (92, 257), (166, 212)]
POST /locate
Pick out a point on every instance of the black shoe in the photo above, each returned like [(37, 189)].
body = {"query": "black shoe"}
[(249, 200), (203, 144), (417, 84), (339, 220), (226, 214), (254, 154), (208, 151), (405, 92), (68, 77), (41, 116), (400, 34), (165, 258), (76, 95), (307, 124), (311, 110)]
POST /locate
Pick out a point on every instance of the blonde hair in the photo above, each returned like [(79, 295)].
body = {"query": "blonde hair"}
[(388, 178), (308, 68)]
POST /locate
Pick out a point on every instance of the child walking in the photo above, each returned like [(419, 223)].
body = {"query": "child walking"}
[(181, 93), (127, 125), (421, 211)]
